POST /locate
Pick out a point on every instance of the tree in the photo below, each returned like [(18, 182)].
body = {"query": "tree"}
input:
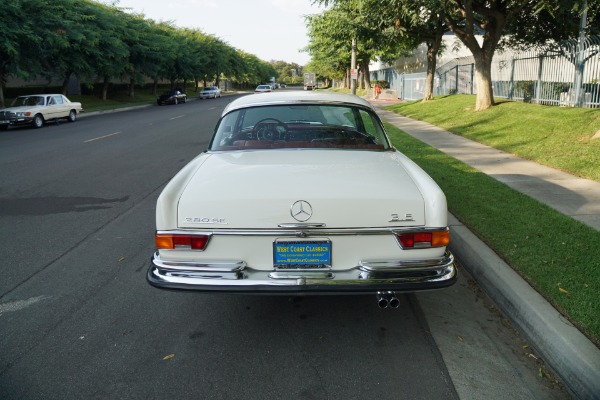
[(69, 38), (17, 37), (113, 51), (419, 21), (367, 21)]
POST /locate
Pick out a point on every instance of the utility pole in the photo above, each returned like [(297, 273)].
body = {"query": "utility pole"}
[(579, 95), (353, 67)]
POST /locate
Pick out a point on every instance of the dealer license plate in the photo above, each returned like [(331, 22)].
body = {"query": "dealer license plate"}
[(305, 254)]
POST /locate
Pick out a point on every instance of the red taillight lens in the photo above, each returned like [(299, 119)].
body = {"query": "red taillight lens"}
[(407, 240), (171, 241), (199, 242), (413, 240)]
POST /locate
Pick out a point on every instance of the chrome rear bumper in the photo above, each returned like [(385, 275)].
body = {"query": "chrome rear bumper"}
[(367, 277)]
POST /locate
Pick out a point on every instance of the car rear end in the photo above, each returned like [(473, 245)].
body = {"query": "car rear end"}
[(302, 198)]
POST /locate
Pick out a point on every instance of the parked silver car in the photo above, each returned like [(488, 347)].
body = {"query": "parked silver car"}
[(210, 92)]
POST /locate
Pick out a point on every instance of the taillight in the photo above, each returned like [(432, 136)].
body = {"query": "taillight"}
[(181, 241), (423, 239)]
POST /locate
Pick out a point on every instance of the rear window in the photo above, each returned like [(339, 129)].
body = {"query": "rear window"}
[(300, 126)]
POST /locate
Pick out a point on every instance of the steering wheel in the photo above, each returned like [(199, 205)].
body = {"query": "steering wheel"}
[(269, 129)]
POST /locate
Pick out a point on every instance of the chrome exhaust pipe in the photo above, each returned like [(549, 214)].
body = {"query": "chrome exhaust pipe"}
[(393, 300), (382, 300), (385, 299)]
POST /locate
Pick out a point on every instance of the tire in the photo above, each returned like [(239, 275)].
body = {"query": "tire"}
[(72, 116), (38, 121), (3, 127)]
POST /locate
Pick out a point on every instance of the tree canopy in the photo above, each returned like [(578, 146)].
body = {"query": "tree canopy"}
[(53, 39)]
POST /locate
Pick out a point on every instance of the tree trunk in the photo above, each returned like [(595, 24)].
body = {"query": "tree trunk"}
[(366, 74), (483, 81), (483, 53), (155, 87), (1, 90), (105, 88), (433, 47), (65, 85), (131, 88)]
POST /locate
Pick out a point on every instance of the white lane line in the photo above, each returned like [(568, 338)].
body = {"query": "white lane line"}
[(179, 116), (212, 108), (102, 137), (17, 305)]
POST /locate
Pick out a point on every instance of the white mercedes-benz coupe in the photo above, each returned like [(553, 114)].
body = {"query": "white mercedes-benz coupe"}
[(302, 193)]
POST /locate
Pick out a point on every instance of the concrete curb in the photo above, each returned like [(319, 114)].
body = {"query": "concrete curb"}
[(572, 356)]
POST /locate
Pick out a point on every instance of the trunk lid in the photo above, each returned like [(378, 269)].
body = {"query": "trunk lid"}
[(257, 189)]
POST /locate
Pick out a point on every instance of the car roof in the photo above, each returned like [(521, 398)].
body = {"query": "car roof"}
[(297, 96), (41, 94)]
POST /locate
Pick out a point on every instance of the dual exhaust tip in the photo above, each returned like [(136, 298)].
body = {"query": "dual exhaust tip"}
[(387, 299)]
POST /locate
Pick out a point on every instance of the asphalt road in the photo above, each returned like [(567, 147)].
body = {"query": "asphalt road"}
[(79, 321)]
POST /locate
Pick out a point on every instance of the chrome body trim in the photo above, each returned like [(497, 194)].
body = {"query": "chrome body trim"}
[(235, 276), (293, 229), (302, 225)]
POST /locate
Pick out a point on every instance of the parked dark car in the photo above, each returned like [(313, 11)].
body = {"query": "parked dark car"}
[(171, 97)]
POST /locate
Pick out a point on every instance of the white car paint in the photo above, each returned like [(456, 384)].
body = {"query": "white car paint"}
[(360, 197)]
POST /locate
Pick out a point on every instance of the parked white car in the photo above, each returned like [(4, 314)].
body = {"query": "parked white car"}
[(37, 109), (210, 92), (263, 89), (301, 192)]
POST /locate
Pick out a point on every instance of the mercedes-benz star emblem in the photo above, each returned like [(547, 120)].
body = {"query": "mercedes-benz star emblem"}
[(301, 211)]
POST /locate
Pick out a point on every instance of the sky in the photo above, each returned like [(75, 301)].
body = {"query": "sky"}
[(269, 29)]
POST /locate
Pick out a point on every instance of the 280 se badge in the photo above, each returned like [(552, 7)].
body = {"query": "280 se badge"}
[(315, 199)]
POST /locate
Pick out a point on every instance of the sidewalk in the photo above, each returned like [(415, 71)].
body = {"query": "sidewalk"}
[(566, 350)]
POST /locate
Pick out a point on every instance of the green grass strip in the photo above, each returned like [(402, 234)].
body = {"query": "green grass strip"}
[(557, 255), (559, 137)]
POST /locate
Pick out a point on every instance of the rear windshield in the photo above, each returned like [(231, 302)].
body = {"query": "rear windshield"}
[(300, 126)]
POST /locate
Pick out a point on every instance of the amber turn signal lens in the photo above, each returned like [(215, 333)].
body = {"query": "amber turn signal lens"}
[(440, 238), (164, 241), (167, 241)]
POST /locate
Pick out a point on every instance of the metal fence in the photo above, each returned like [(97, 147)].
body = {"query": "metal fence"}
[(568, 74)]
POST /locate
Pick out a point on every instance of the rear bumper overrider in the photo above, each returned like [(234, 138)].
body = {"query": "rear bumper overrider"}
[(367, 277)]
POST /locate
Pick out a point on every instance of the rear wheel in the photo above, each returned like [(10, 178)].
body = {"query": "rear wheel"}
[(72, 116), (38, 121), (3, 127)]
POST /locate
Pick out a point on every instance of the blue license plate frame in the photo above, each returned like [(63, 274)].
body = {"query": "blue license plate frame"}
[(302, 254)]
